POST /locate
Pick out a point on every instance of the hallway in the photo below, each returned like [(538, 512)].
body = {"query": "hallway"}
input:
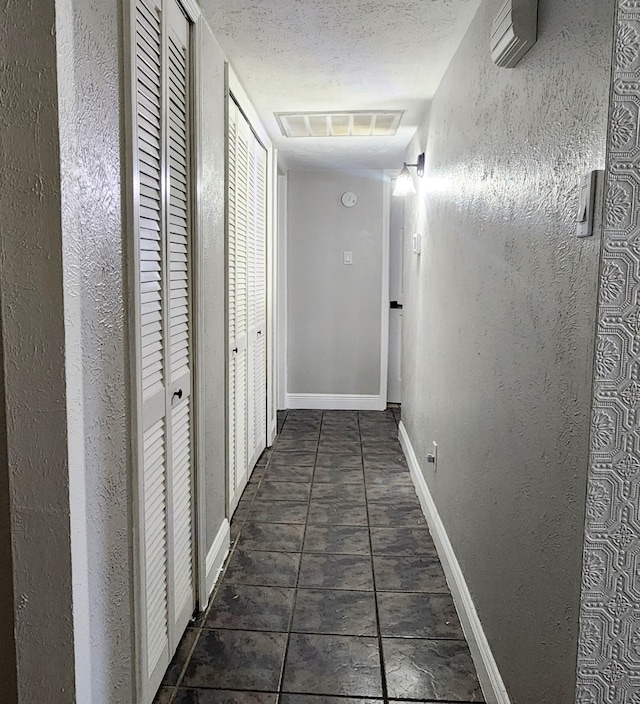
[(332, 572)]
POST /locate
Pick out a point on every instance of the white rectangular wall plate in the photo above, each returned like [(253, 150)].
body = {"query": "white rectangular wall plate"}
[(416, 243), (347, 258), (586, 204)]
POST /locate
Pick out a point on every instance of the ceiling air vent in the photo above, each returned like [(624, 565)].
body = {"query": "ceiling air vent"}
[(339, 124), (514, 32)]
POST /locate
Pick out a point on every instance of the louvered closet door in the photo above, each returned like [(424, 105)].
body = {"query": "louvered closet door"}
[(179, 318), (164, 334), (239, 136), (257, 367), (247, 218)]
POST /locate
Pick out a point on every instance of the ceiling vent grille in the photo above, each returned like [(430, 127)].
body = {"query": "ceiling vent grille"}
[(339, 124)]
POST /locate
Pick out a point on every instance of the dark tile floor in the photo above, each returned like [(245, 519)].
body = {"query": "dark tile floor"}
[(333, 592)]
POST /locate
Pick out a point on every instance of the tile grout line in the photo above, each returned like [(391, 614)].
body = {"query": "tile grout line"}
[(383, 673), (279, 692)]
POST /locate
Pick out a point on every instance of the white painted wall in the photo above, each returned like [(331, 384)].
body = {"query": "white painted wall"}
[(212, 197), (334, 311), (499, 329)]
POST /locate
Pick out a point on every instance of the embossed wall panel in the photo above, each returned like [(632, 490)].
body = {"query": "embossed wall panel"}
[(609, 644)]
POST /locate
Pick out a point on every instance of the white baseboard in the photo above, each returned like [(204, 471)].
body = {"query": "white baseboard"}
[(488, 673), (217, 555), (336, 402)]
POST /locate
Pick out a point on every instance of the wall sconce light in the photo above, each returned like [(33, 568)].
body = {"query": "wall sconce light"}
[(404, 182)]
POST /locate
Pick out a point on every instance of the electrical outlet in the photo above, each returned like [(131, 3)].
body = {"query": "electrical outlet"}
[(432, 457)]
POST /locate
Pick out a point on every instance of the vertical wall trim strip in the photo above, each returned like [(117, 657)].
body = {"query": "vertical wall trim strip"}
[(609, 642)]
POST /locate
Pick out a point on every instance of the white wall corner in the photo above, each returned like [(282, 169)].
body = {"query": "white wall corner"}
[(490, 679), (217, 555), (336, 402)]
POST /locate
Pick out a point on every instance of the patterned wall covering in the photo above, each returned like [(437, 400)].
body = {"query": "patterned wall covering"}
[(609, 646)]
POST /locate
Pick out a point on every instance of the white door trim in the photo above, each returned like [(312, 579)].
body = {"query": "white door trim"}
[(384, 278), (283, 288), (200, 487), (215, 558)]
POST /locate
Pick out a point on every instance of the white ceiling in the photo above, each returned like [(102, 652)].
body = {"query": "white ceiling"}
[(329, 55)]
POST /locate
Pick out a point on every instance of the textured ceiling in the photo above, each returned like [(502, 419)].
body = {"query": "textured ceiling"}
[(327, 55)]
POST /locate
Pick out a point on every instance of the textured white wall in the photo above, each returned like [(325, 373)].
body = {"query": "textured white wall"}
[(213, 239), (499, 327), (334, 310), (90, 83), (33, 339), (64, 301)]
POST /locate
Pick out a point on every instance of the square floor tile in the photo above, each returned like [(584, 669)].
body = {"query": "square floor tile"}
[(337, 540), (292, 459), (223, 696), (331, 492), (393, 494), (409, 574), (185, 647), (278, 511), (251, 608), (345, 431), (164, 695), (339, 459), (320, 699), (382, 462), (341, 444), (418, 616), (345, 512), (237, 660), (401, 515), (269, 569), (338, 475), (402, 541), (381, 446), (283, 491), (295, 445), (288, 474), (283, 537), (341, 665), (388, 477), (339, 612), (430, 669), (336, 572)]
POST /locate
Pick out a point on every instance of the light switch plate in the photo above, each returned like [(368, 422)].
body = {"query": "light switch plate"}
[(348, 258), (586, 204), (416, 243)]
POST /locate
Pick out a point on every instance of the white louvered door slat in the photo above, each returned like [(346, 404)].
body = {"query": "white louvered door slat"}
[(261, 299), (246, 300), (231, 307), (257, 296), (241, 300), (163, 305), (153, 484), (179, 325)]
